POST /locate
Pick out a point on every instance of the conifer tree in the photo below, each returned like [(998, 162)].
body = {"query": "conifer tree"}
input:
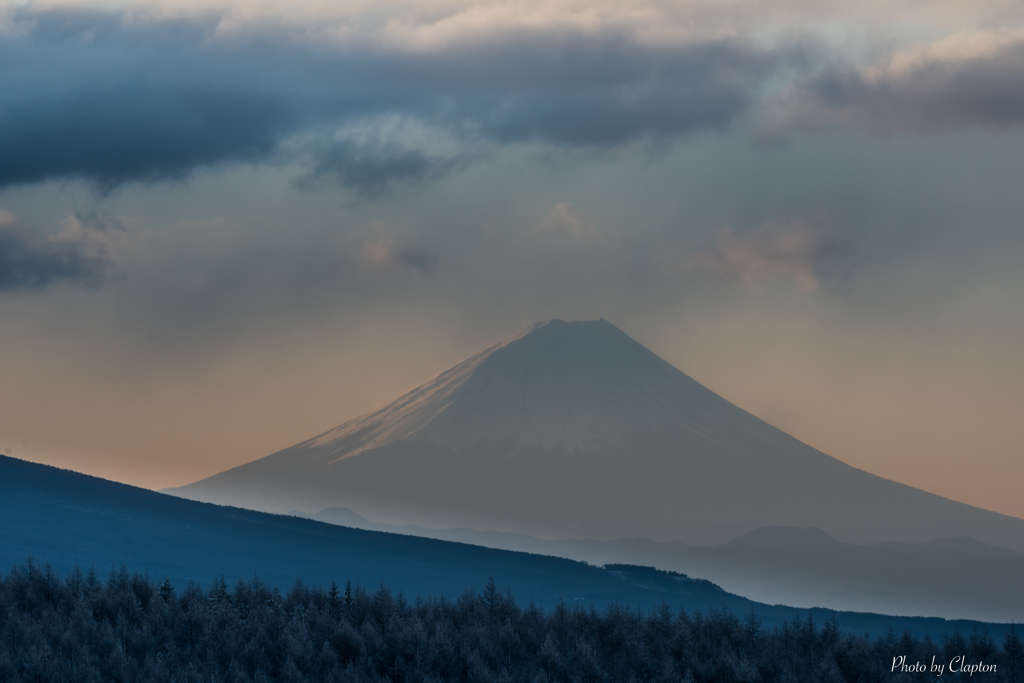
[(1013, 655)]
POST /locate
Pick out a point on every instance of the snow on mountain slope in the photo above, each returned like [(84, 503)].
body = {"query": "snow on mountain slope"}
[(578, 386), (573, 429)]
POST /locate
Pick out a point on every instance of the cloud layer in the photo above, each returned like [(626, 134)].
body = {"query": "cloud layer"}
[(117, 96), (111, 98)]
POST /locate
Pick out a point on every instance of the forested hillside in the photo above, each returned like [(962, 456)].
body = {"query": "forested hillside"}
[(64, 518), (129, 628)]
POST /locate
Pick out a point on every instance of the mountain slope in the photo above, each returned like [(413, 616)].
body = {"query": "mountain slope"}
[(576, 430), (63, 518)]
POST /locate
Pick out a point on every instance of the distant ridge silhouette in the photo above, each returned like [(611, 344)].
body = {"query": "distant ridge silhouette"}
[(575, 430)]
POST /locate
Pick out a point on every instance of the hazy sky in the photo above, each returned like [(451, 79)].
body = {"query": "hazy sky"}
[(225, 228)]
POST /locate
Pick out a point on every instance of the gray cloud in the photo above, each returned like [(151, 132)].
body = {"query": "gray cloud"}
[(604, 89), (798, 251), (99, 221), (112, 99), (938, 90), (566, 220), (383, 252), (28, 262), (416, 257), (373, 169)]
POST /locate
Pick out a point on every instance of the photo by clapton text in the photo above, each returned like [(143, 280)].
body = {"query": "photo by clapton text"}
[(957, 664)]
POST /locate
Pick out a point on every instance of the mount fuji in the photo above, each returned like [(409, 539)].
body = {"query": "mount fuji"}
[(575, 430)]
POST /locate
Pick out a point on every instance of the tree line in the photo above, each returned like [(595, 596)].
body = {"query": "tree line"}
[(129, 628)]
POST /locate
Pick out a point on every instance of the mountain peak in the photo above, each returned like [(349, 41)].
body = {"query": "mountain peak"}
[(576, 385)]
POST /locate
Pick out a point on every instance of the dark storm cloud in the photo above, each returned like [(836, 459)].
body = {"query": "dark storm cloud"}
[(86, 95), (29, 263), (111, 99), (601, 89), (929, 93)]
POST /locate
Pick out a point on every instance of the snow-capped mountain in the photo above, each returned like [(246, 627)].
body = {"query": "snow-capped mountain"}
[(573, 429)]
